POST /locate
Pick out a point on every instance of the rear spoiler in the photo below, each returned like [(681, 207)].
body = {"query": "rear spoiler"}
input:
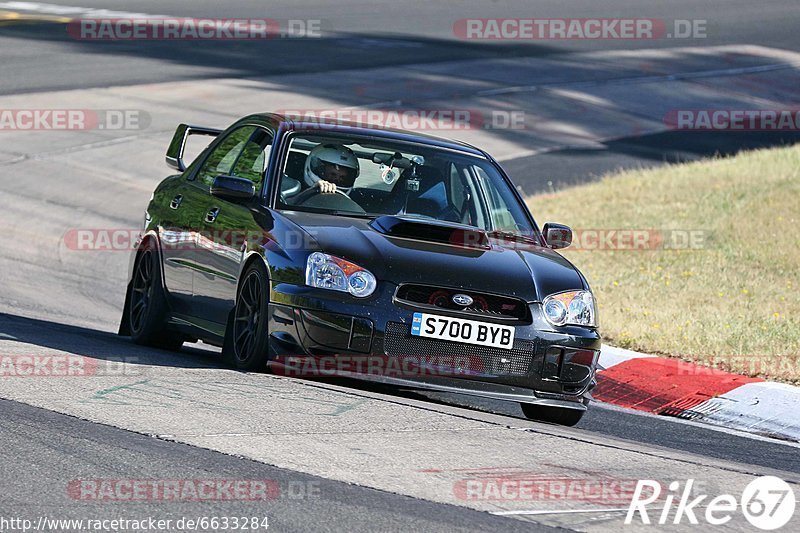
[(174, 156)]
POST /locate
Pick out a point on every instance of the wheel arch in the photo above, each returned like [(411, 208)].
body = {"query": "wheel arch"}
[(150, 236), (253, 257), (249, 259)]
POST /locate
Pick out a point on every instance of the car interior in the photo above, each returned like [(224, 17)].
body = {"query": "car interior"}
[(435, 189)]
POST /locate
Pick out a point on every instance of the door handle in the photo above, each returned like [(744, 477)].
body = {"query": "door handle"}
[(176, 202), (211, 216)]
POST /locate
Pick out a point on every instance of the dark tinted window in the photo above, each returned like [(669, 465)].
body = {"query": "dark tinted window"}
[(416, 180), (254, 157), (224, 156)]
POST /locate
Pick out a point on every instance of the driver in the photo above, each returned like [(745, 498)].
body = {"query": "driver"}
[(330, 167)]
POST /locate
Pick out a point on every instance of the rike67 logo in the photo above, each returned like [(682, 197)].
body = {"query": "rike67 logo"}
[(767, 503)]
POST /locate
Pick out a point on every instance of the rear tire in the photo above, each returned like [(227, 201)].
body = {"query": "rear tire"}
[(555, 415), (247, 338), (147, 304)]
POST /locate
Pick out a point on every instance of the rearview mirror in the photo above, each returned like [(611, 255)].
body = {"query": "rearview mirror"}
[(233, 188), (557, 236), (396, 160)]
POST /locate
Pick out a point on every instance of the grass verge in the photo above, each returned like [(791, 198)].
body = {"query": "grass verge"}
[(713, 278)]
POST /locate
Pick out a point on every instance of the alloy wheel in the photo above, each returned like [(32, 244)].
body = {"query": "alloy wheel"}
[(247, 316), (141, 292)]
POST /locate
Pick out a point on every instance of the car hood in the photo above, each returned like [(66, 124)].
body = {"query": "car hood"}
[(524, 271)]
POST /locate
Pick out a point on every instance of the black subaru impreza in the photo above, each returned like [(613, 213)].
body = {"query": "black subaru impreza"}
[(328, 249)]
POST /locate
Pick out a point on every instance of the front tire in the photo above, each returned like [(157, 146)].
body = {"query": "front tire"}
[(555, 415), (247, 346), (147, 304)]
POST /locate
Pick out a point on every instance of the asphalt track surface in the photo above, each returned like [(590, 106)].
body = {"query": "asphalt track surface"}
[(63, 306), (50, 59), (44, 451), (362, 35), (62, 449)]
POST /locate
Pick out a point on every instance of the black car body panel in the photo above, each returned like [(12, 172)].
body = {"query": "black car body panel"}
[(497, 270), (205, 243)]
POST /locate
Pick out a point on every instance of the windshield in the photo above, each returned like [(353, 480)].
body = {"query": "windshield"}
[(380, 177)]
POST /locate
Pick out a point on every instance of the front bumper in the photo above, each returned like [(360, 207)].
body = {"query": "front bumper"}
[(318, 333)]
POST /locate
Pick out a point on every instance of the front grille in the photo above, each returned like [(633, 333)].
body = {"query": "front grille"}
[(483, 304), (398, 342)]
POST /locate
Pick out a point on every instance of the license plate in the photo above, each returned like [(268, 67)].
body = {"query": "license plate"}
[(461, 330)]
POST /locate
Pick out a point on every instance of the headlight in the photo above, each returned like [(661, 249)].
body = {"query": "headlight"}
[(328, 272), (573, 307)]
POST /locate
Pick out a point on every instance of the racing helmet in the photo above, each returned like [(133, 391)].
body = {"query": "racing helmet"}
[(330, 154)]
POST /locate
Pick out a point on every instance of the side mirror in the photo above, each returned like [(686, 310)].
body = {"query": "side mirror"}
[(557, 236), (233, 188)]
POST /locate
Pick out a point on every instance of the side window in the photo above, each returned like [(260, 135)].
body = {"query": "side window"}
[(474, 211), (254, 158), (224, 156), (457, 188), (499, 212)]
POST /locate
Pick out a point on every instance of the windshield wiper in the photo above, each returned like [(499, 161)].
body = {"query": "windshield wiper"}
[(511, 236), (351, 214)]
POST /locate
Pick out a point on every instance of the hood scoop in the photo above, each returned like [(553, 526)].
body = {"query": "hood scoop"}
[(432, 231)]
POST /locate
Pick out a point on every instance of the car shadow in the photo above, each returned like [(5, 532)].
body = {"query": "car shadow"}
[(105, 346), (618, 423), (99, 345), (212, 59)]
